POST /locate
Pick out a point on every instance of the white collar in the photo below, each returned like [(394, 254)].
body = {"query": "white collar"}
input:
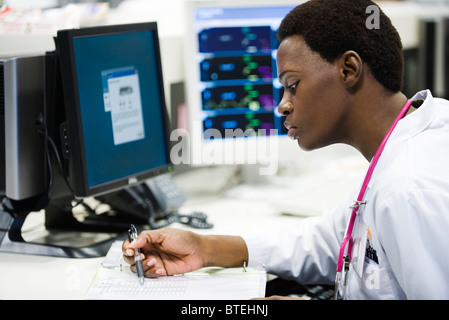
[(409, 126), (415, 122)]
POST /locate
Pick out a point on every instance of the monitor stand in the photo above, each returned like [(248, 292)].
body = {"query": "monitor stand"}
[(77, 244), (62, 234)]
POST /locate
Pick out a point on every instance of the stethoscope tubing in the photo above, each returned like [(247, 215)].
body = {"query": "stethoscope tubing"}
[(347, 240)]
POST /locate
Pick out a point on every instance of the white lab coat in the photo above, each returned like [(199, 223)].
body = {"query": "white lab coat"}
[(407, 214)]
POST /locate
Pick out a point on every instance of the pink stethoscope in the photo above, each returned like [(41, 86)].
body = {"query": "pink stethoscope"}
[(345, 259)]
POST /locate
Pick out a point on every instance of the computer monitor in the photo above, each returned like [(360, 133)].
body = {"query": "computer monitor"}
[(231, 80), (116, 128), (103, 123)]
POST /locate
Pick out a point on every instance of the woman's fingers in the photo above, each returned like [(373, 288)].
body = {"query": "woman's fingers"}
[(151, 267)]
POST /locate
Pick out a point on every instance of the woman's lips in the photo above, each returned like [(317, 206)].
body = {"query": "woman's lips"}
[(291, 131)]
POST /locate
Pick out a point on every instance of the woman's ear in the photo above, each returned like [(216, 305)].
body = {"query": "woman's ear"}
[(351, 66)]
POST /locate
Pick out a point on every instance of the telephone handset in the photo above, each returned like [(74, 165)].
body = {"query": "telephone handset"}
[(154, 202), (166, 195)]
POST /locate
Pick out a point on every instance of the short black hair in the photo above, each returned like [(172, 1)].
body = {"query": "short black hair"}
[(332, 27)]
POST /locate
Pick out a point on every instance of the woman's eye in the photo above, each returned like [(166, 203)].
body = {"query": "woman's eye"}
[(293, 86)]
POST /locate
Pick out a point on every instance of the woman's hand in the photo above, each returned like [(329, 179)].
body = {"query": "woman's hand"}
[(171, 251), (166, 252)]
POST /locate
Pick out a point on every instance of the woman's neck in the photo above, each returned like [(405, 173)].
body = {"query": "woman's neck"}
[(375, 119)]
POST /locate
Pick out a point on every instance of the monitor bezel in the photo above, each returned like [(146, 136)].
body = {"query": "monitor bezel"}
[(75, 137), (193, 97)]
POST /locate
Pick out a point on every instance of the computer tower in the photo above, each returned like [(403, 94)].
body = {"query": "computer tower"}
[(445, 56), (434, 55), (22, 156), (427, 50)]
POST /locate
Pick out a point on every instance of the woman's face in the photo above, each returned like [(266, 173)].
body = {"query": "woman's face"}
[(314, 96)]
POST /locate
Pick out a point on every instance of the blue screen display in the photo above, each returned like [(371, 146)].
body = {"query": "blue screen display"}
[(121, 105), (237, 69)]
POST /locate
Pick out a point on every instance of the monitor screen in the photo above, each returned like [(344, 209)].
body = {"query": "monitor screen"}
[(116, 119), (232, 85), (234, 51)]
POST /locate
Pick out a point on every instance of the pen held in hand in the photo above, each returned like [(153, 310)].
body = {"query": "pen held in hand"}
[(132, 235)]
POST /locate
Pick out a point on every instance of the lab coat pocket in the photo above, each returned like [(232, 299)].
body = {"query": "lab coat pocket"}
[(375, 283), (371, 277)]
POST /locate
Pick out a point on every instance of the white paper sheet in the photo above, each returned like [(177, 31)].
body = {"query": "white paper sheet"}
[(204, 284)]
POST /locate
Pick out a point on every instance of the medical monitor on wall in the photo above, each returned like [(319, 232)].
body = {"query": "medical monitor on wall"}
[(232, 87), (116, 126)]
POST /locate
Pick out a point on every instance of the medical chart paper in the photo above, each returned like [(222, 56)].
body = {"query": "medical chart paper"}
[(115, 281), (204, 284)]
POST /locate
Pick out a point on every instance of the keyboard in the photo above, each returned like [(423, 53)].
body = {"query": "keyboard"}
[(291, 288), (318, 292)]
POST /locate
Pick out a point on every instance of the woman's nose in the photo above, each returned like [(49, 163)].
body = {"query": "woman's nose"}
[(285, 107)]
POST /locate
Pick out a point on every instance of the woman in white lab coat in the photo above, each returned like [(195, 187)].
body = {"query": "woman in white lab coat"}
[(342, 70)]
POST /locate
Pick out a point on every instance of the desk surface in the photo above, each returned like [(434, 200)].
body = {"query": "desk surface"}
[(232, 212), (39, 277)]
